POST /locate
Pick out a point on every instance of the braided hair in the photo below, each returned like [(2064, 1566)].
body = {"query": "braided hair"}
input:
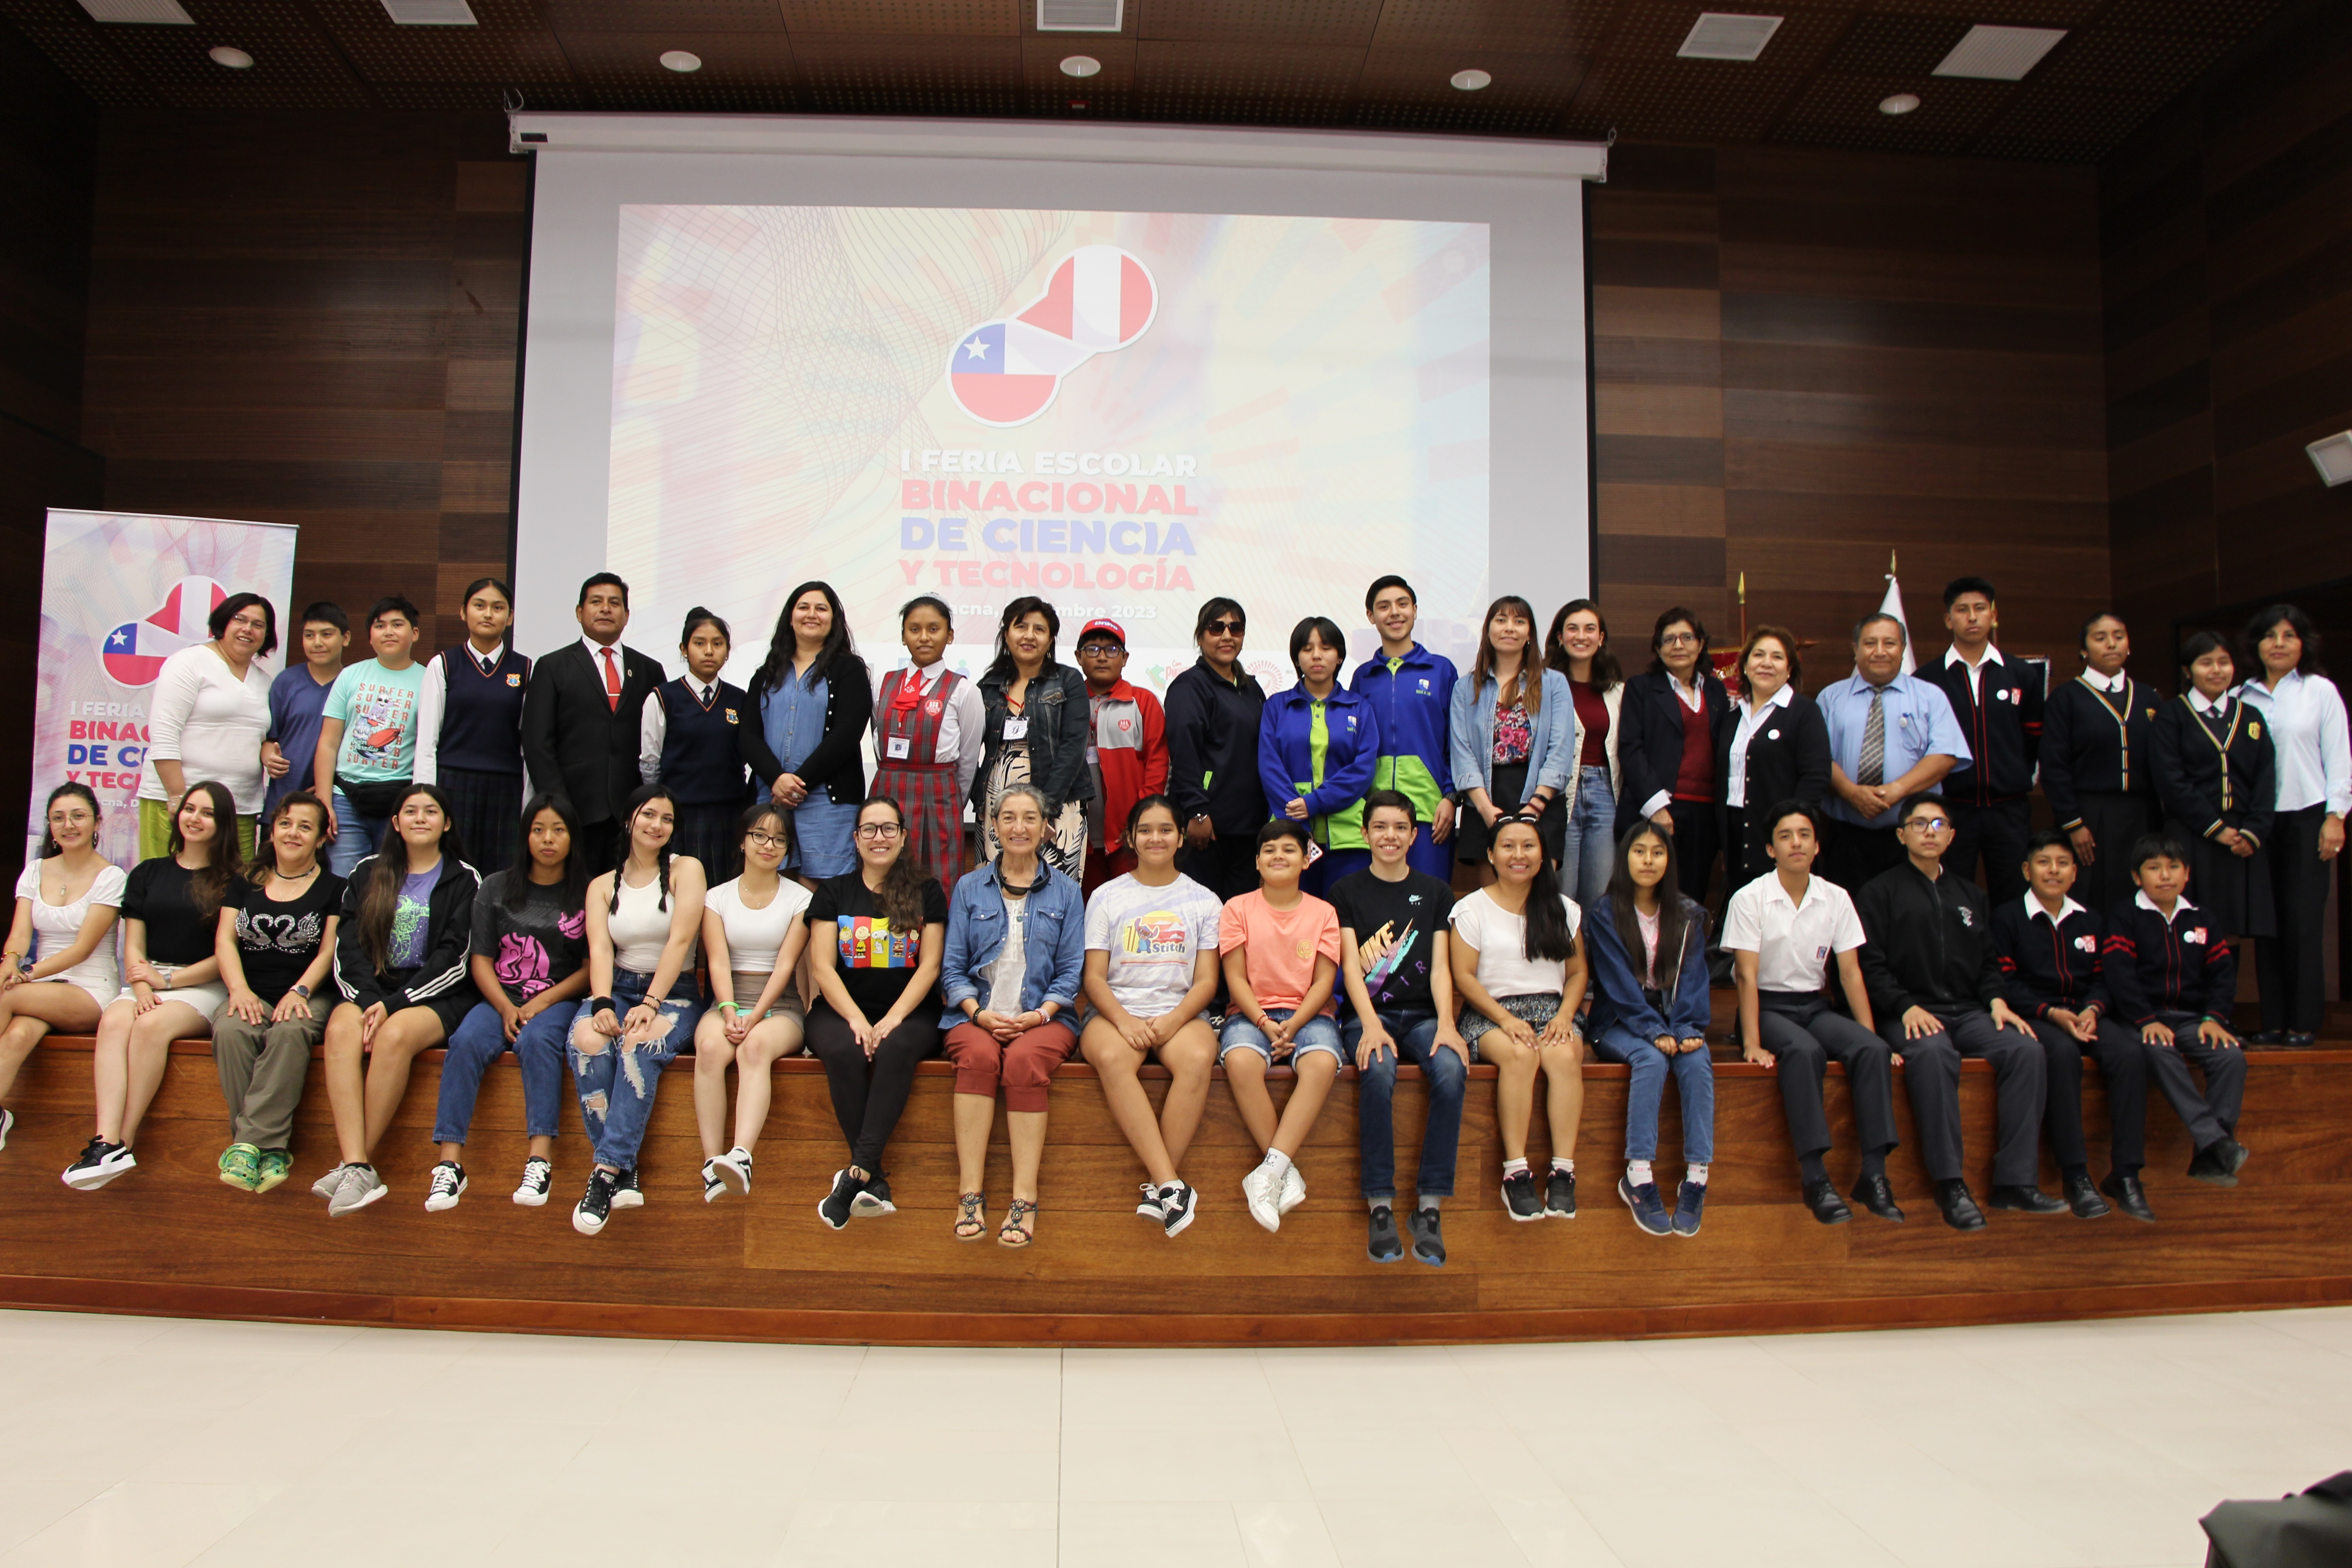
[(644, 794)]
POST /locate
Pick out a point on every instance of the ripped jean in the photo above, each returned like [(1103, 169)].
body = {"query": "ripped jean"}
[(617, 1082)]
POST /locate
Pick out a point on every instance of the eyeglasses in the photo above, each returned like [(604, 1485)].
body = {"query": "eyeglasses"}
[(1929, 824), (1676, 639), (1100, 650), (1222, 630), (882, 831), (764, 840)]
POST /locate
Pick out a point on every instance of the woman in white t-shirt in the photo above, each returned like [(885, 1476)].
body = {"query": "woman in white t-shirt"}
[(57, 971), (206, 720), (753, 930), (1519, 971), (1151, 967)]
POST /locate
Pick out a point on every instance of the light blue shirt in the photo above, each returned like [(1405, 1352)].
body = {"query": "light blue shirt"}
[(792, 720), (1920, 723)]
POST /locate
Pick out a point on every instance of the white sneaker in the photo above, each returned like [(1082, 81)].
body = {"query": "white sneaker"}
[(7, 1119), (538, 1176), (734, 1168), (713, 1189), (1150, 1208), (324, 1188), (1293, 1188), (360, 1187), (1261, 1187), (100, 1162), (448, 1186)]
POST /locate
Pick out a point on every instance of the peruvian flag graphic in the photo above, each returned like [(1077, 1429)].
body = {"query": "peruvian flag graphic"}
[(1098, 300)]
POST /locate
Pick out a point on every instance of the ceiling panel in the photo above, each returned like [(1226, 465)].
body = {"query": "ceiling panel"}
[(511, 43)]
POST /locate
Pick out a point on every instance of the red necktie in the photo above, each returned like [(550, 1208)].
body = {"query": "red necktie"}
[(612, 681)]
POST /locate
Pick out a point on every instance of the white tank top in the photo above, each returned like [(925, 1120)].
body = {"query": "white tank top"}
[(57, 927), (640, 928)]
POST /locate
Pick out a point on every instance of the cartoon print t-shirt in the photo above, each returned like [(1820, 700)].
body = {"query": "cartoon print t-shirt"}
[(876, 960), (1154, 936), (532, 948), (378, 709), (1396, 926)]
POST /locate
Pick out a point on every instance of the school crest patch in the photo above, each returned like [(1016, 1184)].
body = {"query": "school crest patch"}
[(732, 718), (514, 681), (934, 707)]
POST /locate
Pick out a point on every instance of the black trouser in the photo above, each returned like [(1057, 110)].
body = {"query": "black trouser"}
[(601, 842), (2288, 966), (1698, 834), (1931, 1076), (2123, 1069), (1804, 1035), (868, 1097), (2213, 1115), (1226, 865), (1852, 855), (2116, 823), (1998, 833), (1743, 861)]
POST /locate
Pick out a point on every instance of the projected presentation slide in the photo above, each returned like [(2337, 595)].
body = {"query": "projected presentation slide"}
[(1123, 412)]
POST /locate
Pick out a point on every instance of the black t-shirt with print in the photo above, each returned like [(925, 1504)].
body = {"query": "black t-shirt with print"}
[(875, 962), (1397, 925), (532, 948), (276, 941)]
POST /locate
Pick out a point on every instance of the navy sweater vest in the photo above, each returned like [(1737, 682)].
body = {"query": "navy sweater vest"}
[(699, 759), (481, 723)]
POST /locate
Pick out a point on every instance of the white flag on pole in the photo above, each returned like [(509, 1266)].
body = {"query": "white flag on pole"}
[(1893, 605)]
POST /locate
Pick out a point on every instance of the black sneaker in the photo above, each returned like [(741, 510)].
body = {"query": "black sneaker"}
[(1383, 1244), (835, 1208), (875, 1201), (1520, 1198), (1177, 1201), (596, 1204), (1560, 1194), (98, 1164), (1428, 1237), (448, 1186), (627, 1194), (1151, 1208)]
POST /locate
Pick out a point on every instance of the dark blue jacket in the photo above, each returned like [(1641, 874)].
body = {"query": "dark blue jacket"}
[(2004, 729), (2043, 965), (1413, 703), (1682, 1007), (2154, 967)]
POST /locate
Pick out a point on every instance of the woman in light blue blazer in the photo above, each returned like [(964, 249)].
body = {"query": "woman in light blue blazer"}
[(1510, 739)]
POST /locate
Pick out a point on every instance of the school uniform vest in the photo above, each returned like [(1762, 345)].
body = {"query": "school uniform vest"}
[(481, 723), (699, 759)]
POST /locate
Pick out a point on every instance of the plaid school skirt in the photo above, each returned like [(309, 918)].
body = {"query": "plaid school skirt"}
[(708, 833), (926, 793)]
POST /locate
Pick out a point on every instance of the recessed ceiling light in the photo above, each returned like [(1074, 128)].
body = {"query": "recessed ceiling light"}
[(2332, 455), (169, 13), (430, 12), (1472, 80), (1728, 35), (1081, 64), (1901, 103), (1081, 16), (1999, 53), (679, 60), (235, 59)]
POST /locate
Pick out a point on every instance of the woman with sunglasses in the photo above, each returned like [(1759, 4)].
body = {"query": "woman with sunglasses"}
[(1214, 709)]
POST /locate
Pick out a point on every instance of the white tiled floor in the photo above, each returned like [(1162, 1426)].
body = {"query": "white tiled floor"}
[(145, 1443)]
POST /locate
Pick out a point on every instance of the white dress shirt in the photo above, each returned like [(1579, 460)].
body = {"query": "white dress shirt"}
[(1752, 718), (433, 701), (1976, 670), (2180, 905), (2309, 748), (2034, 906), (2113, 685), (653, 726), (1794, 943)]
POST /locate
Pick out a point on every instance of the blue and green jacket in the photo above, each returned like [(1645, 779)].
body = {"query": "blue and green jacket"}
[(1321, 752), (1411, 703)]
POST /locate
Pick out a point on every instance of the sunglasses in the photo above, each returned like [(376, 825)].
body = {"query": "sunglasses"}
[(1222, 630)]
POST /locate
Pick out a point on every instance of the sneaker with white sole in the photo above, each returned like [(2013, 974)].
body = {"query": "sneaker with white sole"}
[(1261, 1187), (448, 1186), (1151, 1208), (834, 1208), (360, 1187), (713, 1189), (734, 1168), (1177, 1202), (1294, 1189), (98, 1164), (627, 1194), (874, 1201), (596, 1204), (1521, 1200), (1560, 1194), (324, 1188), (538, 1176), (7, 1119)]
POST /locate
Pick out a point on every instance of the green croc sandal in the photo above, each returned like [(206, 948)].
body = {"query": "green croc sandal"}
[(240, 1167)]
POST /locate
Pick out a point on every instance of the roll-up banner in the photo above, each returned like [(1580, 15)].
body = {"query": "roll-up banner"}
[(121, 592)]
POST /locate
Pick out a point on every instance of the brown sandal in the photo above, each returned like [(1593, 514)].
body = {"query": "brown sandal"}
[(1018, 1229), (970, 1224)]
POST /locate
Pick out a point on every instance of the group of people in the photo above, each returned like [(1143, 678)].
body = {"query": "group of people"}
[(1237, 879)]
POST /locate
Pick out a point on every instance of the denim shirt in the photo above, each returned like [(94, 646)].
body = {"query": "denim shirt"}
[(793, 720), (1055, 956), (1471, 735)]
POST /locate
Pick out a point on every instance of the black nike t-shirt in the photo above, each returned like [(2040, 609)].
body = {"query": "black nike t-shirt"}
[(1396, 926)]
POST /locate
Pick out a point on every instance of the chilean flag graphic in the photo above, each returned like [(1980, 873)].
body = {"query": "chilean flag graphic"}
[(1098, 300), (134, 652)]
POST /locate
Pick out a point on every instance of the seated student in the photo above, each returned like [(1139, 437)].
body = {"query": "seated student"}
[(276, 943), (1400, 980), (2174, 978), (752, 934), (877, 936), (171, 913), (1151, 968), (2049, 948), (1015, 955), (1650, 1012), (1935, 993), (1520, 973), (401, 937), (692, 736), (59, 972), (1785, 931), (1280, 948), (529, 962), (644, 916)]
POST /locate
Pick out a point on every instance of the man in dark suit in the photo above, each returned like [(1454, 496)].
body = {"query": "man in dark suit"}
[(1999, 703), (581, 714)]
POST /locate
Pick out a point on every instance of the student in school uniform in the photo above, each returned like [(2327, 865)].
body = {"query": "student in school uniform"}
[(1127, 753), (469, 725), (1999, 703), (298, 700), (695, 738), (1316, 743), (926, 730), (2175, 978), (2217, 777), (1411, 693), (2097, 761)]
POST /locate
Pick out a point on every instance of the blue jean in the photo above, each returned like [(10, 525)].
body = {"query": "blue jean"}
[(617, 1084), (1414, 1030), (1590, 853), (356, 837), (1320, 1033), (1694, 1079), (481, 1039)]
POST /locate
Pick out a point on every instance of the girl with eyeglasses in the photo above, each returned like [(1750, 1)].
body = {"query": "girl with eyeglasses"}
[(58, 971), (752, 934)]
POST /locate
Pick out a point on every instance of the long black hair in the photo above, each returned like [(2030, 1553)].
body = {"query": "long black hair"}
[(637, 800), (777, 668), (1549, 939), (1674, 909), (51, 848), (2260, 628), (1001, 667), (1135, 814), (381, 874), (574, 884)]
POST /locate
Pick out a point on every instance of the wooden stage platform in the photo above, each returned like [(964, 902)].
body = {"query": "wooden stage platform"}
[(169, 1238)]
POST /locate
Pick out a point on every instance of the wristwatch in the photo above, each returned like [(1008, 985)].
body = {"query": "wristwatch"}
[(300, 990)]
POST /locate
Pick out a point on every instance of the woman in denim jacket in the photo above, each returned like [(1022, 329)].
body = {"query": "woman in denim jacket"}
[(1037, 724), (1016, 952), (1510, 735)]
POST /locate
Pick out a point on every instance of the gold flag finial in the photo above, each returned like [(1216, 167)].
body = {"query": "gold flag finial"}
[(1743, 587), (1890, 564)]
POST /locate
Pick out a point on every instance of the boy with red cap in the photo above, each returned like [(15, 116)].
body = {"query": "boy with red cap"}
[(1127, 750)]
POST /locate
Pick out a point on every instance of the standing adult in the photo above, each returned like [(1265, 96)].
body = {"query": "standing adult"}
[(2313, 780), (469, 725), (367, 735), (1998, 704), (1577, 647), (1775, 749), (1127, 750), (696, 737), (1411, 693), (1510, 745), (1317, 742), (582, 714), (1667, 750), (1213, 717), (207, 719), (2097, 771), (2217, 775), (298, 702), (815, 699), (1892, 736), (1034, 732), (927, 724)]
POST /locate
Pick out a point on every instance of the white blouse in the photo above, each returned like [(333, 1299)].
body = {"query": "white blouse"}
[(202, 717)]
